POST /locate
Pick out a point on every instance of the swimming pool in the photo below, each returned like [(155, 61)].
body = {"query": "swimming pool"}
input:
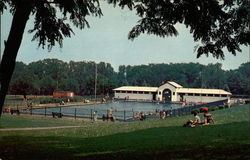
[(122, 109)]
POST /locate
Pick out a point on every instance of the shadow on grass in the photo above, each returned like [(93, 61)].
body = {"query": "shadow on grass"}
[(228, 141)]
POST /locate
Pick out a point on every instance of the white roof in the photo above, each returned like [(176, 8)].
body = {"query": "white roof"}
[(136, 88), (176, 85), (202, 91)]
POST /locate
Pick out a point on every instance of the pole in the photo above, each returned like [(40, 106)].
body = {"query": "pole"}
[(95, 79), (45, 111), (107, 115), (91, 112), (75, 113), (133, 113), (30, 110), (124, 115), (201, 86)]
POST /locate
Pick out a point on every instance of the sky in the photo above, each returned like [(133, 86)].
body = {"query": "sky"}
[(107, 40)]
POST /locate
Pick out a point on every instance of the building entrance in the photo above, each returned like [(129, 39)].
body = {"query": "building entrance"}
[(166, 95)]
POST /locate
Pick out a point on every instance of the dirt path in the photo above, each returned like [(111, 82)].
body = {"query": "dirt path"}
[(36, 128)]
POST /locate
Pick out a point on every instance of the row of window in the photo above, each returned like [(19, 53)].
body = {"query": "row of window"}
[(180, 94), (134, 92), (204, 95)]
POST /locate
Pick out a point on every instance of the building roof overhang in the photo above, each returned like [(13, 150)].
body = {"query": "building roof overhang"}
[(202, 91), (136, 88)]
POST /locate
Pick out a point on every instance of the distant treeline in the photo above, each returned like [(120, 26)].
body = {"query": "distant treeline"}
[(45, 76)]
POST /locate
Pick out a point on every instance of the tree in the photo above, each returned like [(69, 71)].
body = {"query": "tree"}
[(239, 80), (48, 28), (212, 76), (214, 24), (24, 81), (47, 85)]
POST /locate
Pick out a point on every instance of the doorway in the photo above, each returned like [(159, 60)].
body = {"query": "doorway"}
[(167, 95)]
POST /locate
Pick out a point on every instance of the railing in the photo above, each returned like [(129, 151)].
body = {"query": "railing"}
[(187, 110), (119, 115)]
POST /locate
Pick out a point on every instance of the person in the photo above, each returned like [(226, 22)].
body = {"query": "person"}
[(196, 120), (103, 117), (207, 117), (141, 116), (103, 100), (110, 115), (163, 115), (110, 112), (95, 115), (193, 123)]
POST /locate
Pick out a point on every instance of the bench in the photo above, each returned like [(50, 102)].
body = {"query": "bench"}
[(57, 114)]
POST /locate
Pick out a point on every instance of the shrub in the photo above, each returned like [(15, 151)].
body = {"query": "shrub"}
[(221, 107), (226, 106), (46, 100), (76, 99), (212, 109), (247, 101)]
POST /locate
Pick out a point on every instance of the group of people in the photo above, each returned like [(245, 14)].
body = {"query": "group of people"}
[(197, 121), (109, 116)]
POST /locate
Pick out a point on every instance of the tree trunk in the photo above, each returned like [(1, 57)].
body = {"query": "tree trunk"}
[(12, 46)]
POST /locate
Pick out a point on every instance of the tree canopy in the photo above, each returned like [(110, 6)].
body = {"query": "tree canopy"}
[(48, 75), (50, 26), (215, 24)]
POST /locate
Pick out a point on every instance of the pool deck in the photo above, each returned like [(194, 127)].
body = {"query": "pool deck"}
[(68, 104), (55, 105)]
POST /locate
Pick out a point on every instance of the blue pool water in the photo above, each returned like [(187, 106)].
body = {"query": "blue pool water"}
[(122, 109)]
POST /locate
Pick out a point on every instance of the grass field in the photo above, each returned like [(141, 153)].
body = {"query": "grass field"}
[(228, 138)]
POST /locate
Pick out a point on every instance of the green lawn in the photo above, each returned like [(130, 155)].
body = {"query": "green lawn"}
[(14, 121), (151, 139)]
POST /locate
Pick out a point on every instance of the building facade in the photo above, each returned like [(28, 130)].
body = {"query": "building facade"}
[(136, 93), (171, 92), (63, 94)]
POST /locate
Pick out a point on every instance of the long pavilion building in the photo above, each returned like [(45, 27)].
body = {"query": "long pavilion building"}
[(171, 92)]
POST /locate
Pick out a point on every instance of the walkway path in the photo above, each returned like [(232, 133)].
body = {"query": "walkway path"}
[(36, 128)]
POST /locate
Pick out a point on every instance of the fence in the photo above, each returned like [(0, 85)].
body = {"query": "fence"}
[(124, 115), (120, 115), (187, 110)]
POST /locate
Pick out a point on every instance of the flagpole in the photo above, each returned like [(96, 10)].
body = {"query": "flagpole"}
[(95, 79)]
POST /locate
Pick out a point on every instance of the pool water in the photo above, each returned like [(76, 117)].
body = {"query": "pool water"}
[(135, 106), (121, 109)]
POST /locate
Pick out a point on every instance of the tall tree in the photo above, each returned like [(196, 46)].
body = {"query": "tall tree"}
[(48, 28), (214, 24), (23, 81)]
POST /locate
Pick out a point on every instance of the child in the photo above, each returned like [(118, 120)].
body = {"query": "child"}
[(207, 116), (193, 123)]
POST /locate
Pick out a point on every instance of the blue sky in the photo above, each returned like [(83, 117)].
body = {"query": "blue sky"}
[(106, 40)]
